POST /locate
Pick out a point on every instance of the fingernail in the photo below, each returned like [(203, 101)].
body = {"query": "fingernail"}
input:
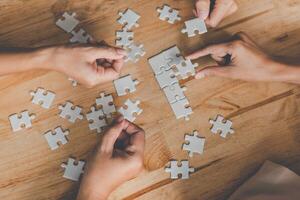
[(200, 76), (203, 15), (122, 52)]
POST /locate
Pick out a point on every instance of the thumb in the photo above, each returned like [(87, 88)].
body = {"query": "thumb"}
[(108, 53), (220, 71), (202, 8)]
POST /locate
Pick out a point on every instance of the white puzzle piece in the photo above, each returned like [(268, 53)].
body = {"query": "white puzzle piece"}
[(173, 56), (158, 64), (174, 93), (134, 52), (168, 14), (186, 68), (194, 26), (70, 112), (222, 126), (80, 36), (56, 138), (20, 121), (132, 109), (73, 169), (125, 85), (42, 97), (179, 168), (67, 22), (193, 144), (129, 19), (181, 109), (124, 38), (107, 104), (96, 120), (166, 78)]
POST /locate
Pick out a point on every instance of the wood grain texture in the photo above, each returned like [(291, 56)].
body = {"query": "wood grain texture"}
[(265, 115)]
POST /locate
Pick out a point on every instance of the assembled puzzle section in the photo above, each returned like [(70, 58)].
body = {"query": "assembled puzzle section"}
[(107, 104), (73, 169), (96, 120), (166, 13), (179, 169), (221, 126), (193, 143), (130, 110), (42, 97), (21, 121), (194, 26), (56, 138), (70, 112), (125, 85)]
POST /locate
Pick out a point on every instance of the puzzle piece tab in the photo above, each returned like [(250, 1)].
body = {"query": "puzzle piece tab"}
[(179, 168), (67, 22), (42, 97), (129, 19), (222, 126), (73, 169), (194, 26), (125, 85), (107, 104), (132, 109), (70, 112), (193, 144), (20, 121), (57, 137), (168, 14), (96, 120), (181, 109)]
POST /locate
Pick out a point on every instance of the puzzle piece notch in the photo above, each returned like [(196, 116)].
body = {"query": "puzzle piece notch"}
[(96, 119), (194, 26), (182, 109), (125, 85), (134, 52), (193, 143), (129, 19), (70, 112), (132, 109), (179, 168), (73, 169), (42, 97), (124, 38), (168, 14), (222, 126), (166, 78), (21, 120), (107, 104), (57, 137), (80, 36), (186, 68), (174, 93), (68, 22)]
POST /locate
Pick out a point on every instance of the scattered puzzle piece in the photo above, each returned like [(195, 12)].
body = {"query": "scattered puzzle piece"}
[(174, 93), (73, 169), (222, 126), (20, 121), (134, 52), (166, 78), (80, 36), (42, 97), (131, 109), (181, 109), (168, 14), (129, 19), (179, 168), (67, 22), (107, 104), (194, 26), (186, 68), (125, 85), (124, 38), (193, 144), (70, 112), (57, 137), (96, 120)]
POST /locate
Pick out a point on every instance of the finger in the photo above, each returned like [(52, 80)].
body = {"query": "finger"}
[(220, 71), (107, 53), (107, 74), (219, 12), (137, 138), (202, 8), (118, 65), (219, 50), (111, 136)]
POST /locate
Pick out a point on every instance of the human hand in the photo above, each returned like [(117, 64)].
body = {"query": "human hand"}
[(117, 159), (240, 59), (89, 65), (221, 10)]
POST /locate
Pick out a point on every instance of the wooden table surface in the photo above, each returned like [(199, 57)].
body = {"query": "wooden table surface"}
[(265, 115)]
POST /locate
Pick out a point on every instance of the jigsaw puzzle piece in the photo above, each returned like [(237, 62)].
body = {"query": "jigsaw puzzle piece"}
[(70, 112), (80, 36), (173, 56), (107, 104), (134, 52), (57, 137), (168, 14), (73, 169), (132, 109), (96, 120), (179, 168), (159, 64), (125, 85), (193, 144), (67, 22), (166, 78), (222, 126), (194, 26), (124, 38), (129, 19), (42, 97), (181, 109), (20, 121), (174, 93), (186, 68)]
